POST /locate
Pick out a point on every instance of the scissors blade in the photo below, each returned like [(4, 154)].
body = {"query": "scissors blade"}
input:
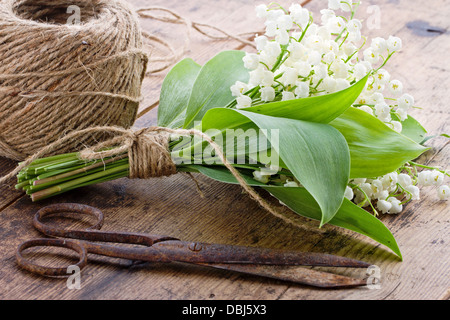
[(294, 274), (216, 253)]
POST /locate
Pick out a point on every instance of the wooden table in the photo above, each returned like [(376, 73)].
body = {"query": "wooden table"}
[(172, 205)]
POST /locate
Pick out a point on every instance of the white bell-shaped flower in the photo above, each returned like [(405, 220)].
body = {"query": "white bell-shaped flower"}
[(443, 192)]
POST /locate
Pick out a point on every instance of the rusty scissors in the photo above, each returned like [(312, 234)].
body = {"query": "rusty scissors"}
[(271, 263)]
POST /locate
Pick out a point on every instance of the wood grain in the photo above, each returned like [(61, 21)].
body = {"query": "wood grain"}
[(225, 215)]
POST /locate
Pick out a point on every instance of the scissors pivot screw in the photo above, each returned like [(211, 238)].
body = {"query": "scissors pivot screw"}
[(195, 246)]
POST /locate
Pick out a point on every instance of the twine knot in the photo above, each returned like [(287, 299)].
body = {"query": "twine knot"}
[(147, 148), (149, 154)]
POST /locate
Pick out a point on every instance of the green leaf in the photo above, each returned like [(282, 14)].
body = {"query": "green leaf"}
[(212, 86), (322, 109), (349, 215), (375, 149), (175, 92), (412, 129), (316, 153)]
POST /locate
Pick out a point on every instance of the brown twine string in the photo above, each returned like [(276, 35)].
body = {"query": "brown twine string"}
[(175, 18), (196, 182)]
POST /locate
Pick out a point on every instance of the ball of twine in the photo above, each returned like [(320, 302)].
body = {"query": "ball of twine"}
[(57, 76)]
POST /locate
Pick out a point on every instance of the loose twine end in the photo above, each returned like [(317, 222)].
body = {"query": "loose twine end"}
[(173, 17)]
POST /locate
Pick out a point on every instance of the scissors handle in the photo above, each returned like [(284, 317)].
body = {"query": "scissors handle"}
[(83, 248), (89, 234), (92, 233), (50, 271)]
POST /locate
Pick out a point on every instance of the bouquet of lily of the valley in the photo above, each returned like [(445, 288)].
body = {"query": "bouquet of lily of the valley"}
[(313, 117)]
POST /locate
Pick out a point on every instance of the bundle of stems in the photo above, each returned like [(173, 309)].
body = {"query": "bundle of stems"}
[(51, 176), (54, 175)]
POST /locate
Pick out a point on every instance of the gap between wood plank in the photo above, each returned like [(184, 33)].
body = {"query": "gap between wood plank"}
[(11, 202), (439, 151)]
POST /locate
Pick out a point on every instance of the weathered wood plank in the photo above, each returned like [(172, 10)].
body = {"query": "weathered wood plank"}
[(173, 206)]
